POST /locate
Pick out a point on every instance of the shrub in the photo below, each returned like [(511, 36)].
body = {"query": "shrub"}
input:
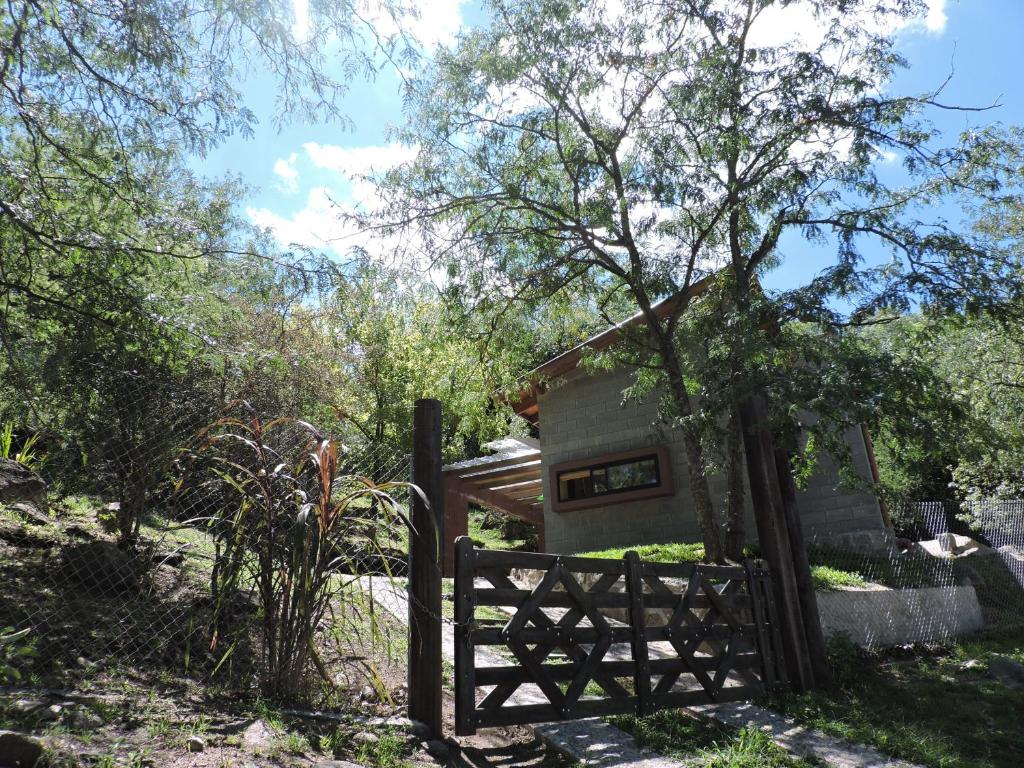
[(286, 523)]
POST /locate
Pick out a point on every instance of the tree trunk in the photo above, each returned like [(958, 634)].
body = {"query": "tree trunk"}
[(699, 490), (735, 526)]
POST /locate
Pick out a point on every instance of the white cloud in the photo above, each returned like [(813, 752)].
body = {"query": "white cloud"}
[(935, 20), (358, 161), (433, 23), (285, 170), (316, 225), (796, 23), (300, 23), (325, 221)]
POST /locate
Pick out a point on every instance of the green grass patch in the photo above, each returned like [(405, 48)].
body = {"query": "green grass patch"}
[(491, 538), (706, 744), (674, 552), (939, 708), (825, 576)]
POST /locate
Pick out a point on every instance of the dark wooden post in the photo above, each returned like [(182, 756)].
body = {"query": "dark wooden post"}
[(425, 551), (802, 572), (773, 536), (638, 623), (465, 684)]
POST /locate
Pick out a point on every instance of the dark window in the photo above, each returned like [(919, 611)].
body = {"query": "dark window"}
[(603, 479)]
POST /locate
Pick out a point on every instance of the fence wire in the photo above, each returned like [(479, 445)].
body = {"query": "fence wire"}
[(126, 558), (951, 569)]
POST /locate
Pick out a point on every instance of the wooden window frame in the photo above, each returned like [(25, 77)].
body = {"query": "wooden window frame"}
[(665, 486)]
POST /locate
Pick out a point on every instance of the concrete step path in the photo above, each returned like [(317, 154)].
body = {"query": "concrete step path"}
[(600, 744)]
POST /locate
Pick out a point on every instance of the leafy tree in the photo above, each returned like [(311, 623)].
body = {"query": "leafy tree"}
[(656, 148)]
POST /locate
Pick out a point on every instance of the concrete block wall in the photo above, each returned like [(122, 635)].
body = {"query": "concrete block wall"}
[(582, 416)]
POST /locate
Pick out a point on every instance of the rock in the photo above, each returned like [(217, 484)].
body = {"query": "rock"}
[(336, 764), (29, 513), (85, 719), (18, 483), (19, 750), (258, 736), (101, 567), (366, 737), (195, 744), (419, 729), (25, 537), (437, 749), (1012, 551), (971, 664), (1007, 671)]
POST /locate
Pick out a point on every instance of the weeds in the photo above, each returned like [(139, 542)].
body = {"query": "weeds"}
[(12, 649), (390, 750), (27, 454)]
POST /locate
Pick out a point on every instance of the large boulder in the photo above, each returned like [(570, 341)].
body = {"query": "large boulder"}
[(19, 484), (18, 750)]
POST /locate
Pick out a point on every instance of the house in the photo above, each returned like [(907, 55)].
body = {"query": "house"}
[(604, 474)]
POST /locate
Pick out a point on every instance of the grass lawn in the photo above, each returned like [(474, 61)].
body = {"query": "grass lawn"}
[(824, 574), (705, 744), (939, 708), (491, 538)]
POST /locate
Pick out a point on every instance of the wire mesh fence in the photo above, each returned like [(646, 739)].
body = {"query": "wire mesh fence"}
[(952, 569), (175, 530)]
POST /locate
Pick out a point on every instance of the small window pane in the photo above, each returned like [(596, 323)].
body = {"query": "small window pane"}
[(608, 478), (635, 474)]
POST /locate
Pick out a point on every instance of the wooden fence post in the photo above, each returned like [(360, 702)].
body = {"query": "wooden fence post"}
[(465, 684), (638, 623), (425, 553)]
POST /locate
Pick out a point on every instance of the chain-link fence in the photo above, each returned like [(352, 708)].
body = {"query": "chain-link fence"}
[(157, 524), (950, 570)]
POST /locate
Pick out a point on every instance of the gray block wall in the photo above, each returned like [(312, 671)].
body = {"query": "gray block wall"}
[(582, 416)]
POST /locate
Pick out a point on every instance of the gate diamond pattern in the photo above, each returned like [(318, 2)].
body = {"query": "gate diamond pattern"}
[(646, 635)]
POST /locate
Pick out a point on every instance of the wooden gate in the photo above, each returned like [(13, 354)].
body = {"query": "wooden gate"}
[(601, 636)]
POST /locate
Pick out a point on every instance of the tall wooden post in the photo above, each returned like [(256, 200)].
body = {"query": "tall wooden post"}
[(773, 535), (425, 553), (802, 573)]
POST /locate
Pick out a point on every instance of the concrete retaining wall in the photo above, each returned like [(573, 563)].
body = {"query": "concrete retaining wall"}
[(882, 617), (872, 618)]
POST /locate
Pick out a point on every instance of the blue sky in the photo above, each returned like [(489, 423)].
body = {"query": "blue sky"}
[(299, 172)]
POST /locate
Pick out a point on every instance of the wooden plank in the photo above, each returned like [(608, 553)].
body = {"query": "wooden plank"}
[(425, 564), (546, 713), (753, 568), (539, 561), (530, 606), (685, 570), (678, 699), (489, 466), (501, 503), (562, 671), (638, 643), (513, 597), (585, 674), (528, 469), (465, 656)]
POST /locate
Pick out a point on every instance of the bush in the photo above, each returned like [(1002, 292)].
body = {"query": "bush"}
[(286, 522)]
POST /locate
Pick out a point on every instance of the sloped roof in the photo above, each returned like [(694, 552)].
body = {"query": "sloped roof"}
[(526, 405)]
